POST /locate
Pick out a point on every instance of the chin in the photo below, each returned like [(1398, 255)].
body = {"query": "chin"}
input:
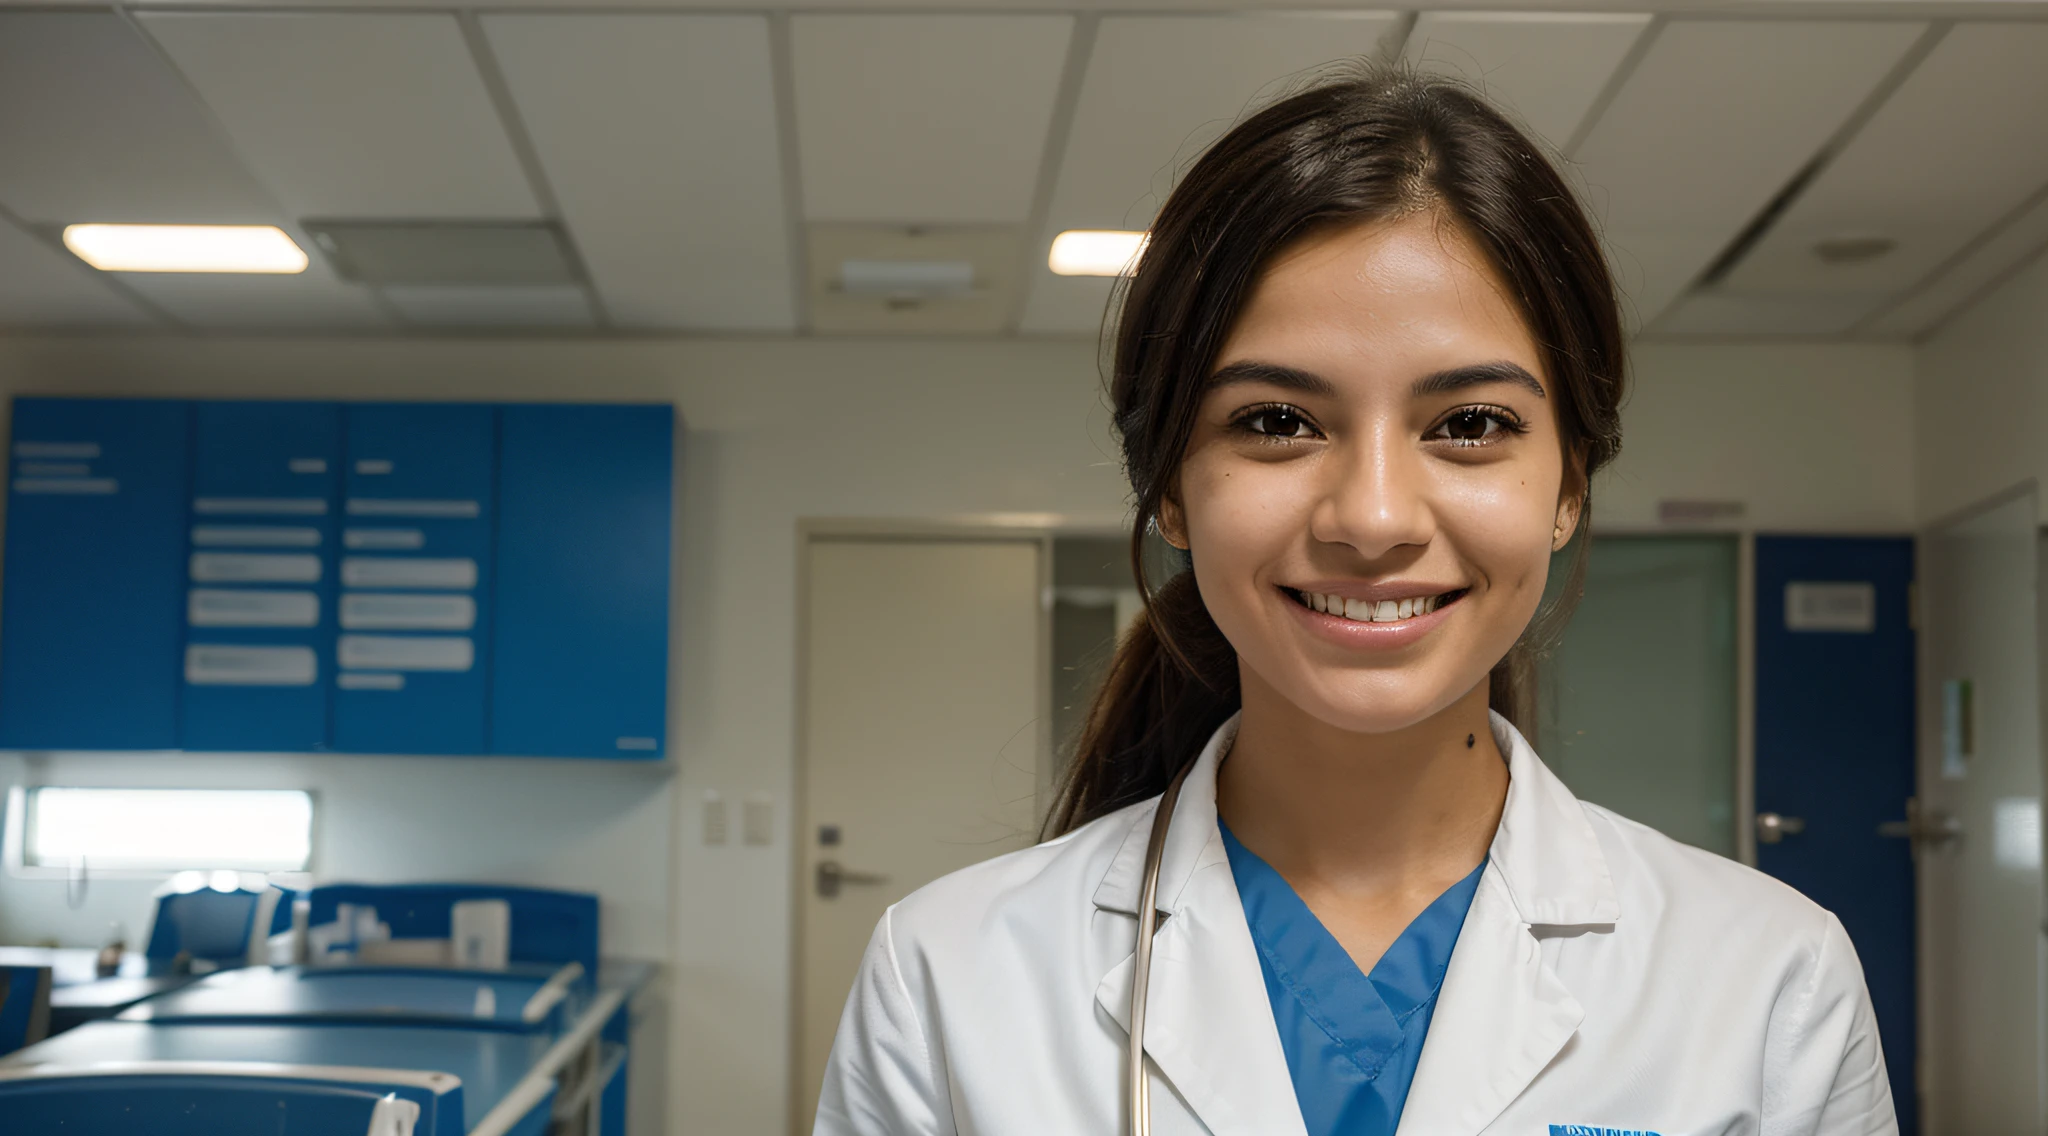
[(1374, 707)]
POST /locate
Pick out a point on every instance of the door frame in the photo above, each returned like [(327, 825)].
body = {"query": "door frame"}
[(814, 530), (1924, 958)]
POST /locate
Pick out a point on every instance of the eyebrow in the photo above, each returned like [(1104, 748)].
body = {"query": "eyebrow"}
[(1439, 382)]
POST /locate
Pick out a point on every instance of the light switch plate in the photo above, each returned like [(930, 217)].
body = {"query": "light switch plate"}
[(758, 823), (715, 823)]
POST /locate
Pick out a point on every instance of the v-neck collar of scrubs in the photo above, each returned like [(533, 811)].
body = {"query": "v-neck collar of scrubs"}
[(1352, 1039)]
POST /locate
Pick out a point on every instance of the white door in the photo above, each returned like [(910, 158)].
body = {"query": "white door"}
[(924, 728), (1980, 777)]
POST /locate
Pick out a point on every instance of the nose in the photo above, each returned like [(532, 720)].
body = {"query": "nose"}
[(1374, 496)]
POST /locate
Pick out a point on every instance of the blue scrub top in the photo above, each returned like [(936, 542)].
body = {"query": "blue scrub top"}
[(1352, 1039)]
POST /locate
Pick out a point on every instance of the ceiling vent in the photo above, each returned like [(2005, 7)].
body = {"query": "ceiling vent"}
[(913, 280), (476, 253)]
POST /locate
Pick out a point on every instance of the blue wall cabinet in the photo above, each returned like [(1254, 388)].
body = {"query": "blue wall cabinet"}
[(259, 605), (412, 657), (92, 620), (580, 660), (408, 578)]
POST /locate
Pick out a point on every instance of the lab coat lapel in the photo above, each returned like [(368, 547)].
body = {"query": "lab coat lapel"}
[(1209, 1029), (1503, 1014)]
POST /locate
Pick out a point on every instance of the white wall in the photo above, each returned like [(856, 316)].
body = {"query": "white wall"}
[(1981, 397), (1810, 437)]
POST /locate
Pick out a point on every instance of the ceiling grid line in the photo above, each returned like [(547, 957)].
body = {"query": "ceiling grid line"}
[(1969, 249), (1080, 48), (523, 149), (782, 74), (1395, 42), (1611, 90), (1760, 226)]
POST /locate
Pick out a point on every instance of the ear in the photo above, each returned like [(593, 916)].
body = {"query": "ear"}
[(1172, 522), (1571, 507)]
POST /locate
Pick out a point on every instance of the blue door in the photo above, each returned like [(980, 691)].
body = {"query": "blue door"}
[(95, 585), (1834, 751)]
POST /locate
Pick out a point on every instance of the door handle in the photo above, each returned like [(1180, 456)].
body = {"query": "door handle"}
[(1772, 828), (1922, 827), (832, 876)]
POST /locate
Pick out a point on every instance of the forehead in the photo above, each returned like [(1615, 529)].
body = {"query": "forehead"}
[(1391, 298)]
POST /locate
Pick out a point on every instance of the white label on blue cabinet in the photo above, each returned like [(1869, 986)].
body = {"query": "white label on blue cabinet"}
[(255, 536), (257, 506), (255, 568), (307, 465), (369, 680), (54, 469), (78, 486), (77, 451), (407, 652), (373, 466), (212, 664), (395, 611), (398, 507), (235, 607), (407, 572), (386, 539)]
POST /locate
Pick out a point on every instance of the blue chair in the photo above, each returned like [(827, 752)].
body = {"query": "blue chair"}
[(548, 927), (215, 929), (208, 1104), (24, 1006)]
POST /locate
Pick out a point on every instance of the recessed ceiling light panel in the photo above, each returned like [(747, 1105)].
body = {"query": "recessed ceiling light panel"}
[(1097, 252), (186, 248)]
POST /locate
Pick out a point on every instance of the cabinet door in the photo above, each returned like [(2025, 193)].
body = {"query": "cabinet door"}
[(92, 616), (414, 649), (580, 663), (259, 604)]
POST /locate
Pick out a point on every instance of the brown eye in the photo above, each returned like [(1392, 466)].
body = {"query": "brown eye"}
[(1476, 426), (1278, 422)]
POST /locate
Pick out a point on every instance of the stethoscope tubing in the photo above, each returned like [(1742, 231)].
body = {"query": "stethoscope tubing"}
[(1141, 961)]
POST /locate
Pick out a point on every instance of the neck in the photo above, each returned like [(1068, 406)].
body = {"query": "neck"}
[(1363, 812)]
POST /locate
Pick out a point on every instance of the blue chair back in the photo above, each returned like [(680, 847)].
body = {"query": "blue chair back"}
[(24, 1006), (548, 927), (212, 925), (206, 1104)]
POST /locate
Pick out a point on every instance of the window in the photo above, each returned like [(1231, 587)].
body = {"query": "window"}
[(149, 830)]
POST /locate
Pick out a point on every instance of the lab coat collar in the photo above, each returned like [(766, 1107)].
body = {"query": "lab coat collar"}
[(1501, 1017)]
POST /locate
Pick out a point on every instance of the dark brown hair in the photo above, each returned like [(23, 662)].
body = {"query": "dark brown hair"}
[(1372, 144)]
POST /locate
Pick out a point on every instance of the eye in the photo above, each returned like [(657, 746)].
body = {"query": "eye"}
[(1280, 422), (1476, 426)]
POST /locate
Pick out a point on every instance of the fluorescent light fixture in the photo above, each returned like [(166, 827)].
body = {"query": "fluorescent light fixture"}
[(1097, 252), (907, 277), (186, 248), (211, 833)]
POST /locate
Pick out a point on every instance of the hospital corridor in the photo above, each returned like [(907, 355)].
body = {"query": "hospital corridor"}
[(1237, 567)]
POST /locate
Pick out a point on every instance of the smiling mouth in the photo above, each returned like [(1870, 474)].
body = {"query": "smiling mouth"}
[(1370, 611)]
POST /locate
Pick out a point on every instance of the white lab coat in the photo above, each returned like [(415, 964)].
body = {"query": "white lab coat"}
[(1606, 977)]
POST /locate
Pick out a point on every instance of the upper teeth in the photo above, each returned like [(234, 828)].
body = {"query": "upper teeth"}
[(1367, 611)]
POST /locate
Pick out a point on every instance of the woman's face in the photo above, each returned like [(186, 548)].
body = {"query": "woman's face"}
[(1375, 485)]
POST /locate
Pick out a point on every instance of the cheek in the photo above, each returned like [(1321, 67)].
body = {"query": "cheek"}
[(1504, 525), (1240, 512)]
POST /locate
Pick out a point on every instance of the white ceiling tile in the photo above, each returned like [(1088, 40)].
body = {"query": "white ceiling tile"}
[(1971, 158), (314, 300), (94, 126), (1715, 119), (658, 134), (1957, 284), (430, 306), (1545, 68), (1159, 89), (923, 118), (354, 115), (41, 286)]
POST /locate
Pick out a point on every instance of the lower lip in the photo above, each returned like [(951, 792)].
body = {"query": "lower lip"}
[(1362, 636)]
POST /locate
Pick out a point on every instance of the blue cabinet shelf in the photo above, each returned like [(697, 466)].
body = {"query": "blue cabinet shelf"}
[(406, 578)]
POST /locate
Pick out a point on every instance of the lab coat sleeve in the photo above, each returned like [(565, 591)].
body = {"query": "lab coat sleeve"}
[(882, 1078), (1824, 1071)]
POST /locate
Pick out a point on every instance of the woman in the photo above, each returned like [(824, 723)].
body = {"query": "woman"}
[(1363, 375)]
